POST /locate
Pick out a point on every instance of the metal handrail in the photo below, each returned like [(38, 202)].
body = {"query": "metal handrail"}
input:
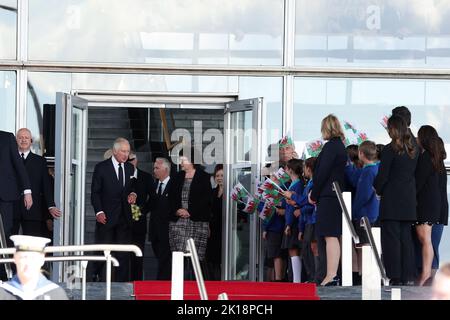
[(365, 223), (85, 259), (3, 244), (87, 247), (106, 248), (192, 253), (337, 190), (114, 261)]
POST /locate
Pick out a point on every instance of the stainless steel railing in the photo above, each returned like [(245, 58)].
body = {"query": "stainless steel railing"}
[(337, 190), (365, 223), (106, 248)]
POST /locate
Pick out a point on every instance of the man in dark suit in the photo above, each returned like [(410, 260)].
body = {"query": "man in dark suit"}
[(144, 186), (159, 218), (32, 221), (111, 196), (14, 181)]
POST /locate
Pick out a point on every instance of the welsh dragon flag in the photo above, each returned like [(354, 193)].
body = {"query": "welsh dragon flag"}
[(312, 149), (384, 121), (267, 211), (281, 177), (251, 205), (353, 136)]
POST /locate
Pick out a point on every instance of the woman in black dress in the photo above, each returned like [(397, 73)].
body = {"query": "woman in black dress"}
[(330, 167), (214, 248), (429, 166), (396, 185)]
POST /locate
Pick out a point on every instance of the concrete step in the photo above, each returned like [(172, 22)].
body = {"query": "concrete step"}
[(108, 113), (121, 123), (110, 133)]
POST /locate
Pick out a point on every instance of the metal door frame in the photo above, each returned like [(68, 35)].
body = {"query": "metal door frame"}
[(255, 251)]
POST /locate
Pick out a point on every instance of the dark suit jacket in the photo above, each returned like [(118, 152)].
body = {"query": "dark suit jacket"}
[(144, 185), (108, 196), (41, 188), (396, 184), (200, 196), (158, 229), (427, 187), (13, 176), (330, 167)]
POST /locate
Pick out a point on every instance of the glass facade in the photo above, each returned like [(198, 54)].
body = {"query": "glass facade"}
[(8, 101), (236, 48), (8, 29), (233, 32), (385, 33)]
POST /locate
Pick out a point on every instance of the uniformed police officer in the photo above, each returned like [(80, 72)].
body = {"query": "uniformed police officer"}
[(29, 283)]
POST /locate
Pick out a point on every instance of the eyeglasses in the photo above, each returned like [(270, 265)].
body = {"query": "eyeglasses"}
[(131, 159)]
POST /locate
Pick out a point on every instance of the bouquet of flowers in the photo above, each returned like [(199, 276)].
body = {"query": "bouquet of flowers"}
[(136, 212)]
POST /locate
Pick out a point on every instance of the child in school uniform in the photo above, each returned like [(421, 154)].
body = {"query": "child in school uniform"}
[(365, 202), (272, 235), (306, 225), (294, 169)]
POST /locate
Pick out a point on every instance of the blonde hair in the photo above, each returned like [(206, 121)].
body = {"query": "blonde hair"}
[(331, 128)]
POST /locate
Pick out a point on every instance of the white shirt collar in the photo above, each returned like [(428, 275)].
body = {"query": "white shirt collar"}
[(25, 154), (164, 182), (115, 162)]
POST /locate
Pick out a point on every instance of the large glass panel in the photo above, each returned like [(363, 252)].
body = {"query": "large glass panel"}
[(42, 87), (364, 103), (8, 27), (240, 32), (8, 101), (391, 33), (158, 83), (271, 89)]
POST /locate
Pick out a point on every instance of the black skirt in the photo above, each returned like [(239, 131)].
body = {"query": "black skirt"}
[(329, 217)]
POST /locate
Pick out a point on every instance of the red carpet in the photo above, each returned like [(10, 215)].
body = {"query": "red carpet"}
[(236, 290)]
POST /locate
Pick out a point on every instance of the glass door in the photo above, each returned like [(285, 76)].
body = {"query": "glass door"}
[(243, 133), (70, 168)]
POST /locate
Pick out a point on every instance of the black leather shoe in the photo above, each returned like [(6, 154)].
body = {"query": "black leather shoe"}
[(335, 282)]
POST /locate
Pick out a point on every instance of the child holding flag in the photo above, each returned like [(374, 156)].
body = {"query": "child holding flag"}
[(290, 237)]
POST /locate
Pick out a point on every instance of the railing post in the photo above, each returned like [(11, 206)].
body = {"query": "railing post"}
[(346, 244), (197, 269), (177, 275), (371, 277), (83, 279), (108, 274)]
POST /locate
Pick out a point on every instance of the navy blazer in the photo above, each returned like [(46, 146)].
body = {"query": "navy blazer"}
[(13, 176), (41, 188), (108, 196), (330, 167)]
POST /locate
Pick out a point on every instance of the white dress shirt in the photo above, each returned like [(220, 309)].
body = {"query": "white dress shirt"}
[(25, 155), (164, 184), (116, 168)]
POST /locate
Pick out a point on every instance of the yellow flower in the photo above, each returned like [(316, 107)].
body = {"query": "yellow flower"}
[(135, 212)]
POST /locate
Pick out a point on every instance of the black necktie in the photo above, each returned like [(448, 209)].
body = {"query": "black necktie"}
[(120, 175), (160, 188), (23, 157)]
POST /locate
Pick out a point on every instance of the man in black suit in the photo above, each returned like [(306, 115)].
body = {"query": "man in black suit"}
[(14, 181), (32, 221), (144, 186), (159, 218), (111, 196)]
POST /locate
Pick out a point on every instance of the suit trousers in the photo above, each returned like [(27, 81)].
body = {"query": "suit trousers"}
[(29, 227), (137, 263), (398, 250), (118, 234)]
